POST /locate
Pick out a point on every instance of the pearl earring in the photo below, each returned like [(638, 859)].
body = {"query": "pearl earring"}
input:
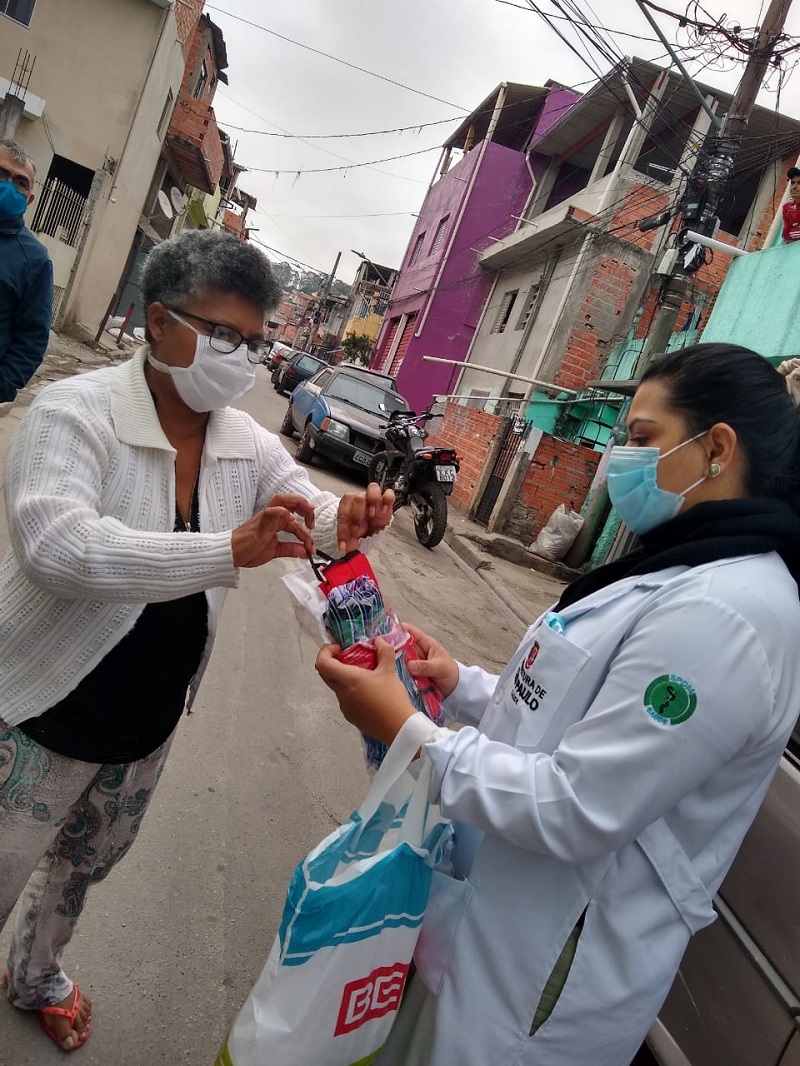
[(714, 470)]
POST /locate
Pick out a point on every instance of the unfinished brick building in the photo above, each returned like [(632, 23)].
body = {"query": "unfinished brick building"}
[(575, 286)]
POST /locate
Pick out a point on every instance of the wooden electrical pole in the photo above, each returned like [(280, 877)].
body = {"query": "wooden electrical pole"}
[(706, 187), (320, 305), (710, 178)]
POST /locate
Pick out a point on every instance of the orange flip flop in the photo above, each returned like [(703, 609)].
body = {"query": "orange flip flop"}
[(61, 1012), (71, 1015)]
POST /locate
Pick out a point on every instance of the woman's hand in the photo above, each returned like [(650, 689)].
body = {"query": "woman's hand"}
[(790, 369), (436, 663), (375, 701), (362, 513), (256, 541)]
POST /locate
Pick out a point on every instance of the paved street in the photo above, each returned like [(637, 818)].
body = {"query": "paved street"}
[(170, 944)]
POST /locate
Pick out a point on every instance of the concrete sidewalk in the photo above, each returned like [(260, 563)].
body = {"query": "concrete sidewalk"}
[(526, 583)]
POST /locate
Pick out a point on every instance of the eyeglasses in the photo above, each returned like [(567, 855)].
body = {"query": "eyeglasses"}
[(21, 182), (224, 338)]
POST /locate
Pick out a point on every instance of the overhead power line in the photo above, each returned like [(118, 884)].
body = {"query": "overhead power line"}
[(608, 52), (318, 147), (375, 214), (340, 136), (288, 258), (347, 166), (336, 59), (565, 18), (476, 114)]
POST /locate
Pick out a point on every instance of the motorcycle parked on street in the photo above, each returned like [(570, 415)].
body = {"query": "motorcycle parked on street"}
[(422, 477)]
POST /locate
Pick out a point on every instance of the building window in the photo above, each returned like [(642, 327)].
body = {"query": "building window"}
[(504, 311), (61, 203), (438, 237), (417, 250), (530, 303), (202, 81), (166, 115), (477, 399), (18, 10)]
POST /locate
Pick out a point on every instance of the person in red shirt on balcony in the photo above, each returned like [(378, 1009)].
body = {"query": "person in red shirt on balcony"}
[(791, 209)]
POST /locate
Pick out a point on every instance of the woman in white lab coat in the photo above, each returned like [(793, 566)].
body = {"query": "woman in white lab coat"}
[(604, 781)]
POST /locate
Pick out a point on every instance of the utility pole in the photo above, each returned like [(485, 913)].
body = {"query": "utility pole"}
[(316, 316), (706, 187), (710, 177)]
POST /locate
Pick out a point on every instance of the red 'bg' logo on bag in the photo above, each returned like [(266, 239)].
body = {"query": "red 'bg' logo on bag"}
[(371, 997)]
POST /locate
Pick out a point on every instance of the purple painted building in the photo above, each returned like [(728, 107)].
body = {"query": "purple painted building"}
[(441, 290)]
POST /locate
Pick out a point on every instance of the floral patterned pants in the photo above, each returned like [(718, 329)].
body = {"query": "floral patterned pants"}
[(64, 824)]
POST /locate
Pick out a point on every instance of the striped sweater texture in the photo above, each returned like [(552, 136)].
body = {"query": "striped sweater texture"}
[(90, 498)]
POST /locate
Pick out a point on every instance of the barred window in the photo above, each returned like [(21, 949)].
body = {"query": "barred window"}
[(438, 237), (417, 250), (504, 311), (530, 302)]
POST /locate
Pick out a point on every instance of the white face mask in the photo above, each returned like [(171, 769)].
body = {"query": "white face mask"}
[(213, 379)]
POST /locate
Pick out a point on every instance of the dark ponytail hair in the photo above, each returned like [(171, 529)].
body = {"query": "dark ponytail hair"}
[(710, 383)]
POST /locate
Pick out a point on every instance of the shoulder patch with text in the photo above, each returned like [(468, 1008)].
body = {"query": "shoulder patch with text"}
[(670, 699)]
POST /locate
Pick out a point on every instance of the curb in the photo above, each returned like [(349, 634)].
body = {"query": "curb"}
[(514, 552), (468, 555)]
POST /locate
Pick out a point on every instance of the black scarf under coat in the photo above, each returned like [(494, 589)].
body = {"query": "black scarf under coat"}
[(718, 529)]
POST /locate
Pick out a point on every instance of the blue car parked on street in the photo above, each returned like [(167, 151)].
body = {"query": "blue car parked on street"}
[(292, 371), (341, 413)]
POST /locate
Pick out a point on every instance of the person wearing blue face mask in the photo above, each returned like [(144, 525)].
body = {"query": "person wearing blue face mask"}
[(26, 276), (633, 488), (603, 782)]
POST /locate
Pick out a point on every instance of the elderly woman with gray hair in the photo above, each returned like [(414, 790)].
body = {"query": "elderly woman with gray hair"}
[(134, 496)]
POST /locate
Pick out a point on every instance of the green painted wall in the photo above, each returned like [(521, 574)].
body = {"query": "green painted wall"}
[(542, 412), (590, 418), (759, 303)]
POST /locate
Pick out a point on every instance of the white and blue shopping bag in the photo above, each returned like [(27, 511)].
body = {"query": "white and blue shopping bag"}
[(333, 982)]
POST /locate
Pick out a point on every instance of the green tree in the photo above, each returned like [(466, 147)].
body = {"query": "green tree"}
[(358, 348), (309, 282)]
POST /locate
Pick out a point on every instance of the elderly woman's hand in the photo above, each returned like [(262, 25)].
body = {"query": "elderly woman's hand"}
[(256, 541), (790, 369), (376, 700), (362, 513)]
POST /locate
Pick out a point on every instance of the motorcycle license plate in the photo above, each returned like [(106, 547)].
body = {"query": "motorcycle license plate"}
[(364, 458), (445, 473)]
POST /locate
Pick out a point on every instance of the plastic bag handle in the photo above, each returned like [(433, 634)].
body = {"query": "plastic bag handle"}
[(413, 831), (396, 761)]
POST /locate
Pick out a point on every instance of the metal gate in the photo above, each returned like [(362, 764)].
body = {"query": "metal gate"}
[(513, 432), (402, 347), (131, 292)]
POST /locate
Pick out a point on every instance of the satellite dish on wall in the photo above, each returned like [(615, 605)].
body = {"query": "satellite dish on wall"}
[(164, 206), (176, 196)]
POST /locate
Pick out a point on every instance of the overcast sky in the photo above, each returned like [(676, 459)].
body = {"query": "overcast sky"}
[(456, 50)]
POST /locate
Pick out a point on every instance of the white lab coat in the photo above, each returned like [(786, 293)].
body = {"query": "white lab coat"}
[(578, 799)]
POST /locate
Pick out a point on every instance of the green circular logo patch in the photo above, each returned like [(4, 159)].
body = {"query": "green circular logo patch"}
[(670, 699)]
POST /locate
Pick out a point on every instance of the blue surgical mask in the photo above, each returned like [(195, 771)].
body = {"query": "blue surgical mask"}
[(12, 201), (633, 487)]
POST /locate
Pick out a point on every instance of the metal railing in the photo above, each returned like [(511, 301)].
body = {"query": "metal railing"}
[(59, 212)]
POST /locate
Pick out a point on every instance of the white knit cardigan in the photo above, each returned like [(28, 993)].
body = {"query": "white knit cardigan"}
[(90, 497)]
